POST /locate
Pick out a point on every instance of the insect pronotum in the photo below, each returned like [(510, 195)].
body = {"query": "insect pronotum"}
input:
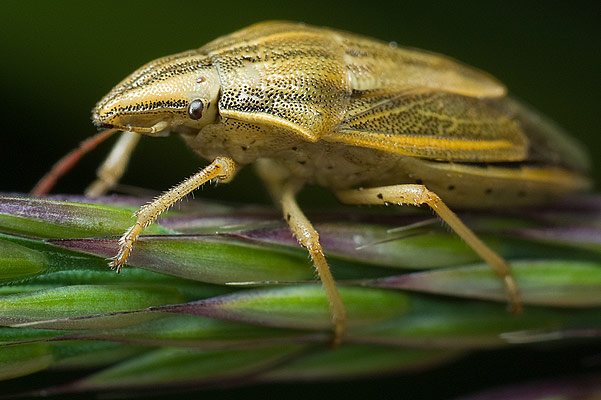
[(373, 122)]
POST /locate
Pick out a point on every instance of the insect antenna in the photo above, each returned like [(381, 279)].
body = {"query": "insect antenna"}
[(63, 165)]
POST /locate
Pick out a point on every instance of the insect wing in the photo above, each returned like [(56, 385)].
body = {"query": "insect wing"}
[(380, 67), (434, 125), (549, 144)]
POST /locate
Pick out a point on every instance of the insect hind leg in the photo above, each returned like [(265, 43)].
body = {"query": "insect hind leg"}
[(417, 195)]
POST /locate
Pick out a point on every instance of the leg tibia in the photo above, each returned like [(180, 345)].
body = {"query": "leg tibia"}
[(309, 238)]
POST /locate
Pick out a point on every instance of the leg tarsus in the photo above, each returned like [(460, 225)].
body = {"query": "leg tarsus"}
[(126, 243)]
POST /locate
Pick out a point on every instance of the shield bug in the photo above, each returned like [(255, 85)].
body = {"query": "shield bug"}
[(375, 123)]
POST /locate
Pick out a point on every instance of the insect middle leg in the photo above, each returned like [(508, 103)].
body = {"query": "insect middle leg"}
[(284, 192), (222, 168), (417, 195)]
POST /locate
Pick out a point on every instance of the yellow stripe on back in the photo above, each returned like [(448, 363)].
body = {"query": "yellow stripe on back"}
[(432, 148)]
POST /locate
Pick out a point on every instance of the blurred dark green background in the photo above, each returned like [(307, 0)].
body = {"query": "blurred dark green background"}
[(58, 58)]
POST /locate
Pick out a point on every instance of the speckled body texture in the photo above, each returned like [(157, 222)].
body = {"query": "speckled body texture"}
[(345, 111)]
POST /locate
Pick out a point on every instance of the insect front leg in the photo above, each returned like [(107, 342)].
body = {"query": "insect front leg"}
[(284, 192), (113, 167), (222, 168), (417, 195)]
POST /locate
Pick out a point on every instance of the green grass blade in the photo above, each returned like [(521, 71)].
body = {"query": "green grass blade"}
[(225, 294)]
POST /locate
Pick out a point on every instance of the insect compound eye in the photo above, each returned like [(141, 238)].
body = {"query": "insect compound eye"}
[(195, 109)]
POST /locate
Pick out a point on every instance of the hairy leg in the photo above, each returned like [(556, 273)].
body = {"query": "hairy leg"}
[(222, 168)]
